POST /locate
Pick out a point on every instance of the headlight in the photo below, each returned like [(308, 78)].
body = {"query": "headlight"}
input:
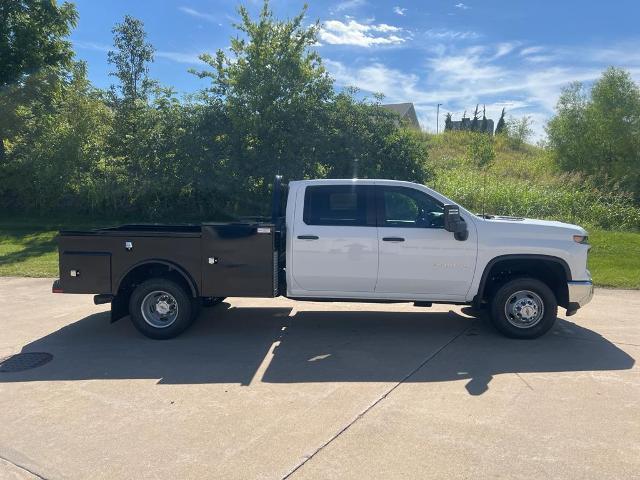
[(581, 239)]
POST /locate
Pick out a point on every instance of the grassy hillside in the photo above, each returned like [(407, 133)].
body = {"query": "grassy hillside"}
[(524, 181)]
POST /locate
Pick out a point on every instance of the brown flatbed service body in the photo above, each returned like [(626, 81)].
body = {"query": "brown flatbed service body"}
[(214, 260)]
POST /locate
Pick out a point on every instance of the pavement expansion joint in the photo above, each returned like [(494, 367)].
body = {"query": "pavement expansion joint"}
[(23, 468), (306, 458)]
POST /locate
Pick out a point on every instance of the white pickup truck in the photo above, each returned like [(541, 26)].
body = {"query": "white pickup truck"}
[(339, 240)]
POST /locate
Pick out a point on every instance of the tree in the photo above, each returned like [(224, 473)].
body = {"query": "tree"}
[(283, 115), (484, 125), (32, 37), (597, 131), (130, 100), (141, 151), (500, 127), (448, 123), (131, 59), (464, 121), (475, 121), (481, 150), (59, 145), (364, 140), (276, 91), (519, 130)]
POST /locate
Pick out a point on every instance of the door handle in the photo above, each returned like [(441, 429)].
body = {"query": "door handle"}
[(393, 239), (308, 237)]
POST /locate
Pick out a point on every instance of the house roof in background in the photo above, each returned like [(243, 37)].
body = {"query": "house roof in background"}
[(400, 108), (406, 111)]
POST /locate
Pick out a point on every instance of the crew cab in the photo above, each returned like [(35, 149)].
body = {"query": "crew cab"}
[(349, 240)]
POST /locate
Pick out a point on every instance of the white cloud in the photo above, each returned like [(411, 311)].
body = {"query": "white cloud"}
[(538, 54), (462, 6), (399, 11), (623, 54), (499, 76), (347, 5), (376, 78), (335, 32), (540, 58), (180, 57), (98, 47), (531, 50), (195, 13), (444, 34), (470, 66), (505, 48), (383, 27)]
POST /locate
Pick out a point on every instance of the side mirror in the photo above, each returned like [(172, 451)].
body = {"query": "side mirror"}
[(454, 223)]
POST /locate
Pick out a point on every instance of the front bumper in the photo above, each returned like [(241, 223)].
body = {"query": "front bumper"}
[(580, 293)]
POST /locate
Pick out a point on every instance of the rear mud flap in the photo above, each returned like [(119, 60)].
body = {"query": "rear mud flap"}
[(119, 307)]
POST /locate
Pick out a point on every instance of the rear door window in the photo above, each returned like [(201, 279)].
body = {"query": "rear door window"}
[(339, 205)]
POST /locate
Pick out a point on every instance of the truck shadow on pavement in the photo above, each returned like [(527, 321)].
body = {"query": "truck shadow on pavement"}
[(274, 345)]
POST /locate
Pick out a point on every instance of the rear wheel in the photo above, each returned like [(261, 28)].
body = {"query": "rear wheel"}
[(524, 308), (161, 308)]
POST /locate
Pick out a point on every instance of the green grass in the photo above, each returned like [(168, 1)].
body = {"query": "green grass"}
[(614, 259), (30, 251), (28, 247)]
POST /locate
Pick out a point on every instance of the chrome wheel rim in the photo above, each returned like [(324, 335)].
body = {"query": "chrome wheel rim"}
[(159, 309), (524, 309)]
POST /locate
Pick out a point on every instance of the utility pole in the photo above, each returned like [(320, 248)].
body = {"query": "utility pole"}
[(438, 118)]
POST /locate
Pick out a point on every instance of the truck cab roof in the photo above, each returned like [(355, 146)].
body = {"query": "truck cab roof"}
[(355, 181)]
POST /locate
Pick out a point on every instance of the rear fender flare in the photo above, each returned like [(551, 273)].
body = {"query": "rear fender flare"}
[(170, 265)]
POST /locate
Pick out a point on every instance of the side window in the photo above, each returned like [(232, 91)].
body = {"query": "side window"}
[(409, 208), (340, 205)]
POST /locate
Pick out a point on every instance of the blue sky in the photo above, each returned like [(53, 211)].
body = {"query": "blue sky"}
[(511, 54)]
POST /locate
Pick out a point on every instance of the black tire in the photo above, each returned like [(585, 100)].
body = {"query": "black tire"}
[(516, 312), (171, 297), (212, 301)]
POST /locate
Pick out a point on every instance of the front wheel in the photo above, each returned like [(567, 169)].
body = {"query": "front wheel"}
[(161, 309), (524, 308)]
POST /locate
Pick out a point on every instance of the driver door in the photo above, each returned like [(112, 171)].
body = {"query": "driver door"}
[(417, 256)]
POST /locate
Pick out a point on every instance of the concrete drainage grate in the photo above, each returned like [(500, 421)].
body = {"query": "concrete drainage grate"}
[(24, 361)]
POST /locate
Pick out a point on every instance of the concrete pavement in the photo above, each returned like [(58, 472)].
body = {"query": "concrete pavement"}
[(279, 389)]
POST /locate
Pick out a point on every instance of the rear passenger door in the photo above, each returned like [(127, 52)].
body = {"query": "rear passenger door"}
[(335, 241)]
